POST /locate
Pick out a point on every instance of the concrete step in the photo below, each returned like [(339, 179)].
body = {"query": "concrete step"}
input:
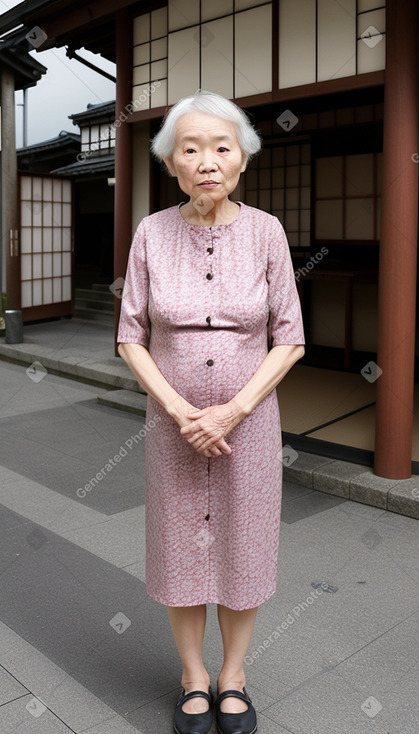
[(101, 288), (101, 315), (127, 400), (95, 295), (90, 301)]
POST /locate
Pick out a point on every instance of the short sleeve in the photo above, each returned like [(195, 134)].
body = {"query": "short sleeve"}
[(285, 324), (134, 323)]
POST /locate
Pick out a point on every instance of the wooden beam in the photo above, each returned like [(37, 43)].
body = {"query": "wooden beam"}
[(398, 246), (123, 153)]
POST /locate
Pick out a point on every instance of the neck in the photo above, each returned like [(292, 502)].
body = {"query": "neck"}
[(222, 212)]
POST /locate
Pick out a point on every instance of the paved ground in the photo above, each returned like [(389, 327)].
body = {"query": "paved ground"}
[(84, 649)]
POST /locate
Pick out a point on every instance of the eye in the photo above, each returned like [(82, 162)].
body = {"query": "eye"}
[(222, 149), (189, 150)]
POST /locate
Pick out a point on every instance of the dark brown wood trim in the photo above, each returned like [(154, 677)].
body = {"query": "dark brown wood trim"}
[(123, 154), (275, 45), (331, 86), (398, 245), (82, 16), (48, 311)]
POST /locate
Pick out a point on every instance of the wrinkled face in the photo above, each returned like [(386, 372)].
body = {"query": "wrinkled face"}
[(207, 158)]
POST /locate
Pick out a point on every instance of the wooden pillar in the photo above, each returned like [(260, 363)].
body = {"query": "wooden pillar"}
[(123, 151), (10, 264), (398, 245)]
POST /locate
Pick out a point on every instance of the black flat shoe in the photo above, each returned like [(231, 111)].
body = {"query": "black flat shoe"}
[(185, 723), (243, 723)]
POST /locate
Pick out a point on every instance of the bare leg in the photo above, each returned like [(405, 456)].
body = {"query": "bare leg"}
[(236, 631), (188, 627)]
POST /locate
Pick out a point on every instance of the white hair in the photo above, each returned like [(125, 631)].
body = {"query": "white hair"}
[(163, 143)]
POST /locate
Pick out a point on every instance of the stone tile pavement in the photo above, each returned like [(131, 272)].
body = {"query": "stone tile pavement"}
[(84, 649)]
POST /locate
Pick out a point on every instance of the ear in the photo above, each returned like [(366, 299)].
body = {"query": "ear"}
[(244, 164), (169, 165)]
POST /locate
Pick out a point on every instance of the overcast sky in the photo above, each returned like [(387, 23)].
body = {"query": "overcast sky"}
[(66, 88)]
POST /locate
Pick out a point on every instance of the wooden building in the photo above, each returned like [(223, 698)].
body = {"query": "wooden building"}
[(333, 87)]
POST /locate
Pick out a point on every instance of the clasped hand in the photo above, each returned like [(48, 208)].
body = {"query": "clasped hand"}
[(210, 426)]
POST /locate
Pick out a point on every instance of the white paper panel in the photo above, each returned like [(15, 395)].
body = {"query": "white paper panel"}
[(374, 23), (47, 263), (36, 188), (141, 29), (159, 23), (57, 215), (182, 13), (26, 294), (159, 96), (141, 97), (37, 266), (141, 74), (243, 4), (66, 191), (37, 240), (56, 239), (183, 76), (292, 198), (359, 219), (159, 69), (66, 238), (67, 263), (26, 267), (159, 49), (329, 219), (305, 197), (25, 213), (67, 215), (47, 214), (37, 207), (278, 198), (297, 42), (305, 220), (253, 51), (37, 293), (291, 219), (25, 240), (47, 288), (211, 9), (371, 59), (56, 290), (364, 5), (56, 264), (336, 39), (142, 54), (360, 175), (47, 237), (217, 56), (329, 176)]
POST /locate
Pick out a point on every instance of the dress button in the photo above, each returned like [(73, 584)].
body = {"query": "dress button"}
[(210, 362), (210, 250), (209, 276), (208, 320), (207, 517)]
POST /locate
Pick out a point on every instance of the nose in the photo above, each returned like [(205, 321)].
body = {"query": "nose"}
[(207, 162)]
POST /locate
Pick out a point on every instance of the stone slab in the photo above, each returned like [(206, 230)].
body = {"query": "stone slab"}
[(128, 400)]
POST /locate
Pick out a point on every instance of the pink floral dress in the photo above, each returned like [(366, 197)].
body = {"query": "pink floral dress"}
[(208, 303)]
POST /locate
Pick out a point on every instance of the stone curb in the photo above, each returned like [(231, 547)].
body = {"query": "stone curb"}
[(112, 373), (356, 483), (340, 478)]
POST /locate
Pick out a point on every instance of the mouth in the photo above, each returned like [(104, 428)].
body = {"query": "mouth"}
[(209, 183)]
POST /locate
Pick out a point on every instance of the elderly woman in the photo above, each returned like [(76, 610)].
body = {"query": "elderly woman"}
[(210, 324)]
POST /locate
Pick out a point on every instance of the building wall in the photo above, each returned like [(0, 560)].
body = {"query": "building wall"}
[(226, 46)]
